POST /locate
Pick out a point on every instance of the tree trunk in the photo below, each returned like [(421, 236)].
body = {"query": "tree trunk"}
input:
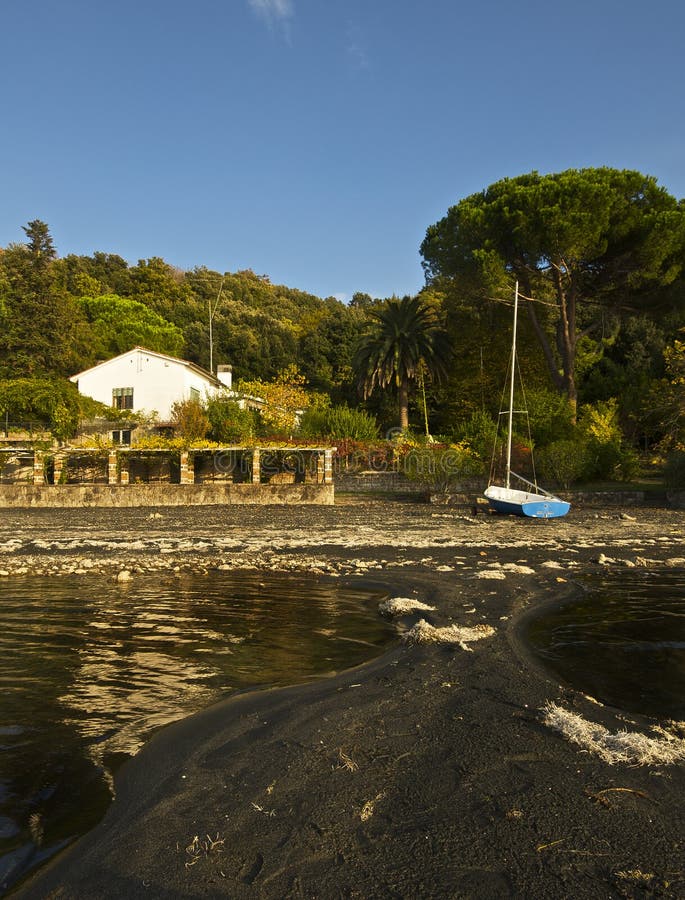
[(404, 403), (562, 367)]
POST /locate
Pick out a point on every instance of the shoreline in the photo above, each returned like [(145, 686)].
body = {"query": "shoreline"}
[(427, 772)]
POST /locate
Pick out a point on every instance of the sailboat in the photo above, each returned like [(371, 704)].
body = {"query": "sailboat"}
[(531, 501)]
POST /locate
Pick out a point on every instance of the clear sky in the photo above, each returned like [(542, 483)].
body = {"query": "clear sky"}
[(315, 140)]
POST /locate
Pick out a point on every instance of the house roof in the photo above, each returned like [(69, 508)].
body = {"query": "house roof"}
[(173, 359)]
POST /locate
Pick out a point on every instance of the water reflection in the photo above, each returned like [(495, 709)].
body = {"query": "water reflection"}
[(88, 669), (623, 642)]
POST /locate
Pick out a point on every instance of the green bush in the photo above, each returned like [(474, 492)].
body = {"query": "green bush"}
[(570, 461), (550, 417), (190, 419), (53, 402), (674, 472), (440, 468), (562, 462), (338, 422), (230, 423), (480, 433), (608, 456)]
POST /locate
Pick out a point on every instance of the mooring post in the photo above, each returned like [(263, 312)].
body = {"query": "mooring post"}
[(187, 468), (124, 472), (328, 466), (38, 470), (112, 473)]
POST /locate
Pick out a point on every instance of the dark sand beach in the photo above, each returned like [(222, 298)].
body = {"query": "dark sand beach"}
[(426, 773)]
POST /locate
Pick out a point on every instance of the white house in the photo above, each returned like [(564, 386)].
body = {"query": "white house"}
[(146, 380)]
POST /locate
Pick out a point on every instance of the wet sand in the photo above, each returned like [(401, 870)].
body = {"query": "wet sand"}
[(427, 773)]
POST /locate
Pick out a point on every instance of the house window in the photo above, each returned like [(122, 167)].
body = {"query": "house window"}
[(194, 394), (122, 398), (122, 437)]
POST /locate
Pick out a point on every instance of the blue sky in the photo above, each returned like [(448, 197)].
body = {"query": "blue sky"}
[(315, 140)]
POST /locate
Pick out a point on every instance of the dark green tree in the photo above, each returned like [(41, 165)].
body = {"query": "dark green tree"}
[(404, 334), (101, 273), (53, 402), (591, 243), (164, 289), (40, 246), (361, 300), (119, 324), (39, 325)]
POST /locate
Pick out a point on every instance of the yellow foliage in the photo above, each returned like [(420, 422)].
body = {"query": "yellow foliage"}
[(675, 362), (285, 398)]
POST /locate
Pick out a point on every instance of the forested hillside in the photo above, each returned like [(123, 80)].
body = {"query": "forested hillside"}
[(599, 255), (62, 314)]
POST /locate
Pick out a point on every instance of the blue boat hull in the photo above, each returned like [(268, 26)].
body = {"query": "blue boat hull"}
[(523, 503)]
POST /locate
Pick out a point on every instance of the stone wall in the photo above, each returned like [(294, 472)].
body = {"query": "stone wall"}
[(379, 482), (470, 494), (117, 495), (615, 498)]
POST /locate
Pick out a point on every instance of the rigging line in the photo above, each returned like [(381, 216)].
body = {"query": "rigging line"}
[(502, 412), (525, 410), (522, 297)]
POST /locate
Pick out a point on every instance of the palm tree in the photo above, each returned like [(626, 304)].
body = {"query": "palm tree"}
[(404, 335)]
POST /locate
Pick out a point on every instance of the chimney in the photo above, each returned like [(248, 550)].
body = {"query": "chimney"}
[(225, 375)]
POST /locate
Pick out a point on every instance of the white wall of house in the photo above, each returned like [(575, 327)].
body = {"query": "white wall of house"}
[(158, 381)]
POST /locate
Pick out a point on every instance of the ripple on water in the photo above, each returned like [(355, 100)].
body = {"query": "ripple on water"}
[(622, 642), (89, 670)]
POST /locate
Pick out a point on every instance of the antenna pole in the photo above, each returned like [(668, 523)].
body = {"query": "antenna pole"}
[(212, 312)]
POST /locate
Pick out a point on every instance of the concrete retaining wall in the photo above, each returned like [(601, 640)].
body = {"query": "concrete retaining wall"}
[(117, 495)]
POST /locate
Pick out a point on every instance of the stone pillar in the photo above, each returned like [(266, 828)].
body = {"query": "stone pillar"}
[(38, 470), (123, 468), (320, 467), (187, 468), (328, 466), (256, 466), (57, 469), (112, 473)]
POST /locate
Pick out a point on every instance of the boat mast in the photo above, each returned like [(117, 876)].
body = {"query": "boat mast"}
[(511, 386)]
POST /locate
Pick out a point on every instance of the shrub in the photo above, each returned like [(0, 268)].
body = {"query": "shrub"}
[(441, 468), (359, 456), (53, 402), (479, 432), (339, 422), (229, 422), (190, 419), (674, 472), (563, 462), (285, 398), (607, 454), (549, 414)]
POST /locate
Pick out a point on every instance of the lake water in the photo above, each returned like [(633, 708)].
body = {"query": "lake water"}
[(89, 669), (622, 642)]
